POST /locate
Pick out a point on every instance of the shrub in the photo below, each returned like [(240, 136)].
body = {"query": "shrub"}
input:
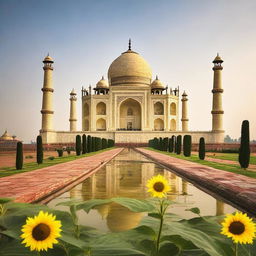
[(39, 149), (187, 145), (93, 144), (178, 144), (165, 144), (161, 146), (89, 143), (51, 157), (84, 145), (78, 145), (244, 150), (170, 145), (19, 156), (60, 152), (104, 143), (29, 157), (111, 143), (201, 148)]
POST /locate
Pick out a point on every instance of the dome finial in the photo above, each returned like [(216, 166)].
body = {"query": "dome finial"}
[(130, 44)]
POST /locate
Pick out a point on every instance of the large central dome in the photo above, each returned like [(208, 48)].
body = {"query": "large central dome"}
[(129, 69)]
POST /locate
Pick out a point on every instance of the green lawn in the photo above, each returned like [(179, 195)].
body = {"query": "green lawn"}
[(7, 171), (231, 156), (226, 167)]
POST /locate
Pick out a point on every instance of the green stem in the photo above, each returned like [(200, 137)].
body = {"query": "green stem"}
[(160, 227), (236, 249)]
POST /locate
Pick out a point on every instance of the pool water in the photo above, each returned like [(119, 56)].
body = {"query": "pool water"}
[(126, 176)]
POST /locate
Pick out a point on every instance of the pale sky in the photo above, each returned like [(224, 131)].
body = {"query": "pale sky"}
[(179, 40)]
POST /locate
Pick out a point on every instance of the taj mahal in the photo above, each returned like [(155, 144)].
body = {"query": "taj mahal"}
[(129, 106)]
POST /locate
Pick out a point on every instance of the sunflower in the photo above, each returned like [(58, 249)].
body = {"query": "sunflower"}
[(239, 227), (40, 232), (158, 186)]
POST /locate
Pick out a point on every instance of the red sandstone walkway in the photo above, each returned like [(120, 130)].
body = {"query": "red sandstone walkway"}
[(35, 185), (237, 189)]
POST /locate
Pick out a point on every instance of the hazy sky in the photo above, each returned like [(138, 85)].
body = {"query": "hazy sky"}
[(179, 39)]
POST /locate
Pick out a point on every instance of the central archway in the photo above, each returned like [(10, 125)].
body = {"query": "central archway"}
[(130, 115)]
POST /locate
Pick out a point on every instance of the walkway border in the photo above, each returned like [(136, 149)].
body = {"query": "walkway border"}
[(73, 174), (234, 189)]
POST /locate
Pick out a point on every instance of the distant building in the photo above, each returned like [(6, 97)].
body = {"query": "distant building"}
[(129, 106), (7, 141)]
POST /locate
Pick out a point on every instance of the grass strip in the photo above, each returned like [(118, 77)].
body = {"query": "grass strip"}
[(7, 171), (231, 156), (225, 167)]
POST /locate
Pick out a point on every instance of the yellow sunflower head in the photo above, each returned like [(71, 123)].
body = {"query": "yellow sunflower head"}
[(239, 227), (158, 186), (40, 232)]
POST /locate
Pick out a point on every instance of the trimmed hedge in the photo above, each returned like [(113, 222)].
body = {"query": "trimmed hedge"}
[(201, 153), (84, 144), (187, 145), (78, 145), (178, 144), (89, 143), (19, 156), (244, 150), (39, 150)]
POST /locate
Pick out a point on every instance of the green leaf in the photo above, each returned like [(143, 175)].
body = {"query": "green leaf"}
[(70, 202), (88, 205), (111, 251), (71, 240), (169, 249), (195, 210), (135, 205)]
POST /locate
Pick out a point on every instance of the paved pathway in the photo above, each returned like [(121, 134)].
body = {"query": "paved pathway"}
[(32, 186), (237, 189)]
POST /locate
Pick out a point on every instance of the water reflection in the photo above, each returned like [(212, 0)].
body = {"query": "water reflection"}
[(126, 176)]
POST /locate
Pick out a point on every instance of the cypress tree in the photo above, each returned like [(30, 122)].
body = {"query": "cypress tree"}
[(104, 143), (174, 144), (170, 144), (201, 148), (244, 150), (93, 144), (178, 144), (84, 144), (89, 143), (19, 156), (78, 145), (165, 144), (187, 145), (161, 144), (100, 143), (39, 149)]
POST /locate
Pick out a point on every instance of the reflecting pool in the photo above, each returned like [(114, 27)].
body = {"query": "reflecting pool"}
[(126, 176)]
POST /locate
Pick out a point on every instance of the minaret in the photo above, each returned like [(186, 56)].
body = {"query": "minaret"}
[(184, 117), (47, 108), (73, 118), (217, 111)]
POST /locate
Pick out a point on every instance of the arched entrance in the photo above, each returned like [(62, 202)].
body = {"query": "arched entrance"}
[(130, 115)]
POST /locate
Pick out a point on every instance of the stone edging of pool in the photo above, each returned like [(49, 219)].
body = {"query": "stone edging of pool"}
[(237, 190), (42, 185)]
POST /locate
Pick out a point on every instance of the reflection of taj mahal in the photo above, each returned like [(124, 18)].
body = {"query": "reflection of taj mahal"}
[(129, 106)]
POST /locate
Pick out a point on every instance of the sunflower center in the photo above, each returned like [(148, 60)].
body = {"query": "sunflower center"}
[(158, 186), (41, 232), (236, 228)]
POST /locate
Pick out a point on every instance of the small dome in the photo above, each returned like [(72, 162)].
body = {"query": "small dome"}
[(73, 92), (129, 68), (184, 94), (217, 59), (102, 83), (6, 136), (48, 59), (157, 84)]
